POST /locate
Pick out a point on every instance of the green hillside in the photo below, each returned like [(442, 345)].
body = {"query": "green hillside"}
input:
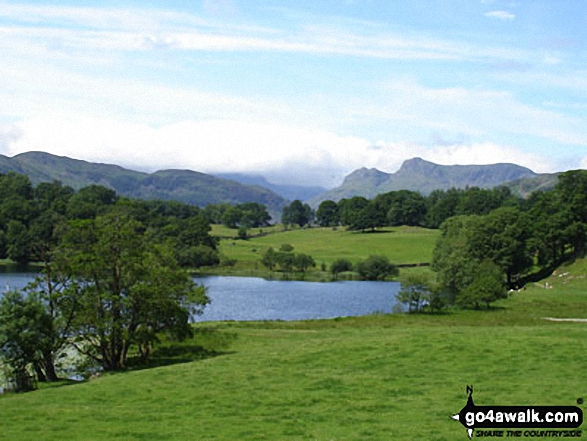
[(525, 187), (380, 377), (401, 245), (181, 185)]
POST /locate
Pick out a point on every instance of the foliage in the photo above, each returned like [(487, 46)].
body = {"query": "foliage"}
[(340, 266), (487, 286), (26, 332), (402, 207), (303, 261), (269, 259), (185, 186), (418, 292), (328, 214), (297, 213), (350, 208), (296, 380), (286, 248), (369, 217), (127, 289), (376, 267)]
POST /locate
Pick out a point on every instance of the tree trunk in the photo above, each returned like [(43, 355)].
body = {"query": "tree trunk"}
[(40, 374), (49, 366)]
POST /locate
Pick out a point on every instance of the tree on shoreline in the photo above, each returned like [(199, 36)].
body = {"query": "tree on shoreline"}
[(126, 288)]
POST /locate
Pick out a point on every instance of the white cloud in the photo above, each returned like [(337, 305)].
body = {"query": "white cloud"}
[(501, 15), (551, 60), (63, 29), (474, 112), (296, 154)]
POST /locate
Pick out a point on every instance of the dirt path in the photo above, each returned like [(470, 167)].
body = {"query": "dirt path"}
[(576, 320)]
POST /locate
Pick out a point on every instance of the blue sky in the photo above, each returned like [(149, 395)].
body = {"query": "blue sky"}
[(303, 92)]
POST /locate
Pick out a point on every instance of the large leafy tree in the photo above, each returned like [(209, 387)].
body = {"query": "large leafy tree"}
[(126, 288), (369, 217), (487, 286), (328, 214), (502, 237), (297, 213), (350, 208)]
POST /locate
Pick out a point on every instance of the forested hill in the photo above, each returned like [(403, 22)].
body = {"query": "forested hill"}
[(181, 185), (419, 175)]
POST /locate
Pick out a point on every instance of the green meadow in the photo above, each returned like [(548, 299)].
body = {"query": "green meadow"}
[(401, 245), (378, 377)]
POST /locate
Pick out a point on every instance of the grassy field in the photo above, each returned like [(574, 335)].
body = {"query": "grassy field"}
[(402, 245), (379, 377)]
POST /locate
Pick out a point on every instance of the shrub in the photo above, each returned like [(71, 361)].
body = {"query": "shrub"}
[(376, 268)]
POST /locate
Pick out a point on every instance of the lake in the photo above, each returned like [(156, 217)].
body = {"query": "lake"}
[(250, 298)]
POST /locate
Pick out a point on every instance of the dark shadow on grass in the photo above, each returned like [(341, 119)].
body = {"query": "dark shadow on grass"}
[(171, 355), (373, 232), (60, 383), (206, 343)]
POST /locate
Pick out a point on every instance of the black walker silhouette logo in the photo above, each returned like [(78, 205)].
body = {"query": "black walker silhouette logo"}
[(474, 417)]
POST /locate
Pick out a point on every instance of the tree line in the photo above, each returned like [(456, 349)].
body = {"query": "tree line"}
[(478, 257), (112, 279), (32, 220), (401, 207)]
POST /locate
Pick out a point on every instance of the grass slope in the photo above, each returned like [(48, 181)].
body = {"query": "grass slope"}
[(370, 378), (402, 245)]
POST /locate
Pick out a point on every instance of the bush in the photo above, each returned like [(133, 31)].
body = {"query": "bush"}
[(340, 266), (376, 268)]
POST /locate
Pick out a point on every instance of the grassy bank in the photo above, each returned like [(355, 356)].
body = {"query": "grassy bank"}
[(378, 377), (401, 245)]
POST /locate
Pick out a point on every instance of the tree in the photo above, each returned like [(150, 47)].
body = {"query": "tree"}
[(303, 261), (502, 237), (253, 215), (450, 259), (376, 268), (297, 213), (328, 214), (285, 260), (231, 217), (416, 292), (18, 242), (90, 201), (368, 217), (269, 259), (486, 287), (127, 289), (194, 247), (350, 208), (52, 196), (407, 208), (25, 332), (340, 266)]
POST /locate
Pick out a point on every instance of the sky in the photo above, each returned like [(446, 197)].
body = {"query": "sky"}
[(301, 92)]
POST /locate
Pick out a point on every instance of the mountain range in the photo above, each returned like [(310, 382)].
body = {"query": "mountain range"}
[(423, 176), (201, 189), (182, 185)]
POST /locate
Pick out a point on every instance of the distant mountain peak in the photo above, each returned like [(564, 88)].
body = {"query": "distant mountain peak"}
[(417, 174)]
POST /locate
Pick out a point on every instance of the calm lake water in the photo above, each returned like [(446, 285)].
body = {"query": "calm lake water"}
[(250, 298)]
